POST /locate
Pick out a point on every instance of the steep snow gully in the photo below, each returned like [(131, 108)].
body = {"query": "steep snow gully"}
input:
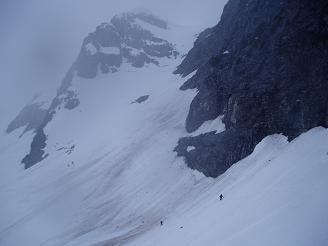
[(110, 174)]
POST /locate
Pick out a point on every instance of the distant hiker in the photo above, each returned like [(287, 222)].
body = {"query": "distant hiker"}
[(161, 222), (221, 197)]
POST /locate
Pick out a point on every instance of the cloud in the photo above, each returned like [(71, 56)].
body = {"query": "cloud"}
[(41, 38)]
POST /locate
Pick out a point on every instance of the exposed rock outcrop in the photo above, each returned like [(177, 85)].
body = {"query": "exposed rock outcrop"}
[(141, 99), (123, 38), (264, 67)]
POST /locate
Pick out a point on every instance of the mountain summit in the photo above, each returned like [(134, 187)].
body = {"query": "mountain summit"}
[(127, 38)]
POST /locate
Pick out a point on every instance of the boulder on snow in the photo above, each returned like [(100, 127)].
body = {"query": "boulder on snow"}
[(141, 99)]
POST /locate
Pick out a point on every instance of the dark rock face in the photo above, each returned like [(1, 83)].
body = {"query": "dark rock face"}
[(104, 50), (264, 66), (122, 38), (37, 153), (209, 146)]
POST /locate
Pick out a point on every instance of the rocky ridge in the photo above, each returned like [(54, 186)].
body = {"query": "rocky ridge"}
[(264, 67)]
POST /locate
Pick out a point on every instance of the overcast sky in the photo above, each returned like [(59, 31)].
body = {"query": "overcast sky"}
[(33, 30)]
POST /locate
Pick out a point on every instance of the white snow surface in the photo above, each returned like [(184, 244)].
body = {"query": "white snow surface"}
[(190, 148), (123, 177), (134, 51), (110, 50), (105, 50), (273, 197), (215, 125), (91, 49)]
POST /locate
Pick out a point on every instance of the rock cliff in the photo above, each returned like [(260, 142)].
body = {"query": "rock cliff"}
[(264, 66)]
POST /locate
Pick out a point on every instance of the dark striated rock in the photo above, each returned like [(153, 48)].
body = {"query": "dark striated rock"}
[(264, 66), (207, 105), (237, 144)]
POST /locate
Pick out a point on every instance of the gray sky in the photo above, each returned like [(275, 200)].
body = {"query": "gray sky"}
[(39, 39)]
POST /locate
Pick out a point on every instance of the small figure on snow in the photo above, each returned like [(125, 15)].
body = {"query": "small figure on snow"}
[(221, 197), (161, 222)]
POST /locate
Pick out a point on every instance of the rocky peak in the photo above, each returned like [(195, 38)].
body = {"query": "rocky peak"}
[(126, 38)]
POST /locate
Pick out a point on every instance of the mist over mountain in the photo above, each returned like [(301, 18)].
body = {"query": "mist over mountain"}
[(163, 123), (41, 39)]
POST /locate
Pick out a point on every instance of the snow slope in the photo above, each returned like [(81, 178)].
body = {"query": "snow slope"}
[(273, 197), (122, 177)]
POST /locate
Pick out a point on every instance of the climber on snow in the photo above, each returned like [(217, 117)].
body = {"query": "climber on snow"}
[(221, 197)]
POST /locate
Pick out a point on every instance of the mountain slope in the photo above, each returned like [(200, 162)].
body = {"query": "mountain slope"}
[(112, 174), (94, 149), (272, 197), (123, 39)]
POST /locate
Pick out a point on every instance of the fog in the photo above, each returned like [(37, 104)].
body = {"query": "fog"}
[(39, 39)]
